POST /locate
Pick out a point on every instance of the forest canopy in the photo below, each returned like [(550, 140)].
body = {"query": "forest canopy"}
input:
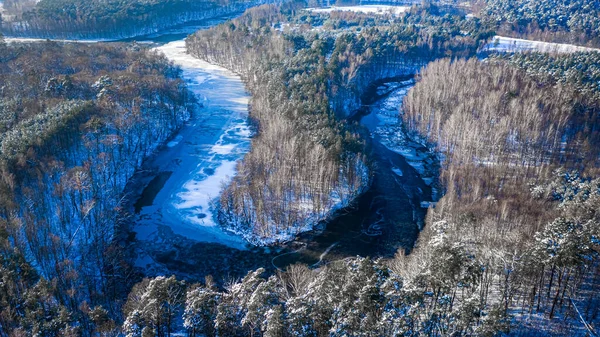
[(518, 137)]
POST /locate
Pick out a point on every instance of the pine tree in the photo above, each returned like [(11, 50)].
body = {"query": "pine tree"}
[(233, 307), (263, 298), (134, 324), (274, 318), (154, 304), (201, 310)]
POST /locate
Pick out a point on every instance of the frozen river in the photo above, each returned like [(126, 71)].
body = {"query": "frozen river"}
[(200, 159)]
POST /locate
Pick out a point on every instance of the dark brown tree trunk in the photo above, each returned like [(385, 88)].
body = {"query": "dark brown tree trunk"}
[(560, 275)]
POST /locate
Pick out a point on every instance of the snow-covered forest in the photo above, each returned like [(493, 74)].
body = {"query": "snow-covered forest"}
[(109, 20), (507, 136), (279, 124), (563, 21), (77, 121), (307, 160), (452, 285)]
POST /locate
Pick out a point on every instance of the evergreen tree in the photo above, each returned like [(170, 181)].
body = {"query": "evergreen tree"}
[(201, 310), (274, 326)]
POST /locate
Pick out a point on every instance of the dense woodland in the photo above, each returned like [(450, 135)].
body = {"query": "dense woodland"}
[(505, 134), (452, 285), (567, 21), (305, 80), (92, 19), (76, 121)]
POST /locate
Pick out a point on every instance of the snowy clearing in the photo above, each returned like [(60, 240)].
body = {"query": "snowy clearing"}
[(369, 9), (202, 157), (512, 45)]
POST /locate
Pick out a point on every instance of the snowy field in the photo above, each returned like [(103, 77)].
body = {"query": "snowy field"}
[(512, 45), (202, 157), (369, 9)]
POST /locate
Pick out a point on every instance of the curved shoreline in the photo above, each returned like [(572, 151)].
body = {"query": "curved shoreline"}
[(202, 156), (171, 227)]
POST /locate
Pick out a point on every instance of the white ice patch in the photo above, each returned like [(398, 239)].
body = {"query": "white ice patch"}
[(175, 141), (197, 194), (513, 45), (397, 171)]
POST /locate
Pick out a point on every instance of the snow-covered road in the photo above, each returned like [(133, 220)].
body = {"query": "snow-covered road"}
[(202, 157)]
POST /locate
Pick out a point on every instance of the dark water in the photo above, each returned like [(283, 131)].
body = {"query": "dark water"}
[(385, 218), (150, 191), (180, 32)]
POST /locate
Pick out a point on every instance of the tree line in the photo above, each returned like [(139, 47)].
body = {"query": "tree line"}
[(564, 21), (109, 19)]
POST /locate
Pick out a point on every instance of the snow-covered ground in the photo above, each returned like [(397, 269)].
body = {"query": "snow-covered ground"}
[(202, 157), (513, 45), (370, 9)]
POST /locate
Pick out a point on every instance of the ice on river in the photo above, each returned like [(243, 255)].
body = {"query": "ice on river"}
[(33, 39), (385, 124), (202, 157)]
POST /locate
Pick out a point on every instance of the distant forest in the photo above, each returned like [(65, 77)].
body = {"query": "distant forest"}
[(112, 19), (566, 21)]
